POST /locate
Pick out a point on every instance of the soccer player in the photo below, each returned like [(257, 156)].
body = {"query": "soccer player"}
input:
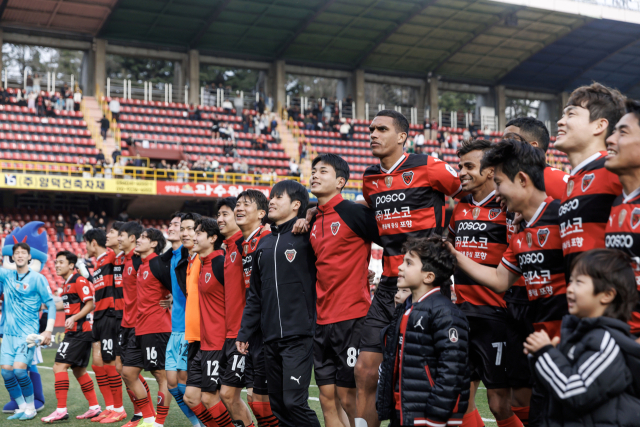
[(281, 301), (623, 159), (534, 132), (24, 293), (588, 119), (478, 229), (535, 251), (105, 325), (234, 378), (127, 239), (207, 367), (75, 350), (407, 193), (251, 209), (177, 348), (147, 348), (341, 227)]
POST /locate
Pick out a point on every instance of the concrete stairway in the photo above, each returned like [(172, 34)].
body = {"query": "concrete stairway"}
[(93, 114)]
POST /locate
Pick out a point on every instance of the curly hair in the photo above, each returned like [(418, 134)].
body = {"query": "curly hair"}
[(602, 102), (435, 257)]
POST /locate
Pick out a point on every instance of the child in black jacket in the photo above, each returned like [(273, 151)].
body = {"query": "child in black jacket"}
[(424, 376), (592, 373)]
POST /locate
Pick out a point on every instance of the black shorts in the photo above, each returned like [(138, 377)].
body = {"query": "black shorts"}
[(335, 352), (255, 367), (130, 352), (487, 343), (518, 328), (117, 345), (234, 365), (75, 350), (379, 316), (105, 331), (205, 368), (154, 350)]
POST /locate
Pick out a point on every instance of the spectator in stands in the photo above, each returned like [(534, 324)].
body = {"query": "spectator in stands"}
[(60, 225), (410, 145), (31, 100), (123, 216), (102, 225), (193, 112), (39, 103), (79, 230), (227, 106), (419, 142), (100, 156), (67, 93), (103, 216), (294, 168), (116, 153), (215, 127), (138, 162), (49, 108), (162, 164), (36, 83), (92, 219), (345, 129), (308, 124), (29, 84), (466, 135), (114, 107), (87, 226), (437, 153), (260, 143), (473, 130), (104, 127), (260, 105), (77, 98)]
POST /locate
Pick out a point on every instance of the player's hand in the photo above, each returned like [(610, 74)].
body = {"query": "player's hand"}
[(46, 338), (242, 347), (517, 219), (167, 302), (301, 226), (266, 227), (371, 275), (68, 324), (537, 341), (451, 248)]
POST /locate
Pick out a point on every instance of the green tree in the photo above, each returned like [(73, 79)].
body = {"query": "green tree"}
[(239, 79), (457, 101)]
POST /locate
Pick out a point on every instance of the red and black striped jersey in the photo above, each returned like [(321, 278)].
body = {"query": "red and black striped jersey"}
[(555, 182), (623, 233), (103, 285), (118, 292), (130, 291), (585, 207), (480, 232), (235, 292), (249, 247), (77, 291), (535, 252), (408, 201)]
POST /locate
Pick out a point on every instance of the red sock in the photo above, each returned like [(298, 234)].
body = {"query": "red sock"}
[(86, 384), (146, 387), (103, 384), (62, 388), (264, 416), (512, 421), (470, 420), (221, 415), (136, 406), (479, 421), (115, 383), (522, 412), (163, 411), (204, 415), (147, 412)]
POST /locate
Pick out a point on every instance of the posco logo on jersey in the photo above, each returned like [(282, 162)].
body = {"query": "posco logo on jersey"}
[(396, 197), (247, 260), (531, 258), (568, 206), (469, 225), (619, 241)]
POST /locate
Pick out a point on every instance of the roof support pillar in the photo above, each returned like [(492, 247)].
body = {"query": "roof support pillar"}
[(1, 42), (432, 96), (100, 66), (501, 106), (194, 77), (278, 79), (358, 77)]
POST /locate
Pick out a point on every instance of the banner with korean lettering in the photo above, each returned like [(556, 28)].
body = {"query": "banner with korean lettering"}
[(25, 181), (205, 189)]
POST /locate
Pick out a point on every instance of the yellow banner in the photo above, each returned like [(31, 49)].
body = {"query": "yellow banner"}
[(21, 181)]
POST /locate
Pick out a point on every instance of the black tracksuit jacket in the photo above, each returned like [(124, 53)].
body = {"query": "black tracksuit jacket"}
[(282, 294)]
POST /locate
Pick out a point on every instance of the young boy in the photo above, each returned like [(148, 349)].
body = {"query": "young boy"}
[(590, 374), (426, 344)]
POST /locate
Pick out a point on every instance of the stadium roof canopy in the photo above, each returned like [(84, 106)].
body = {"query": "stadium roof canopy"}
[(543, 48)]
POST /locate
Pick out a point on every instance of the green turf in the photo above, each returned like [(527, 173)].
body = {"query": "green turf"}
[(77, 404)]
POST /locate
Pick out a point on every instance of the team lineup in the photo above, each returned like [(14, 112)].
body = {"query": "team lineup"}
[(542, 309)]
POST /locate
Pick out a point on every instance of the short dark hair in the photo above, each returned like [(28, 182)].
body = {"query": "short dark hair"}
[(229, 202), (517, 156), (210, 226), (399, 120), (156, 235), (96, 234), (435, 257), (191, 216), (295, 191), (602, 102), (22, 245), (176, 214), (610, 269), (70, 256), (256, 196), (533, 130), (132, 228), (339, 164), (474, 145), (633, 107), (117, 225)]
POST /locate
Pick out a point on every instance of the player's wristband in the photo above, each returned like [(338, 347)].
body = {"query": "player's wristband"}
[(50, 324)]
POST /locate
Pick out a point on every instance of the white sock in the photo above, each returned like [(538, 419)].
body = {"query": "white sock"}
[(109, 408), (22, 406), (138, 414), (361, 422), (120, 409), (157, 425), (62, 409), (94, 407), (150, 420), (31, 406)]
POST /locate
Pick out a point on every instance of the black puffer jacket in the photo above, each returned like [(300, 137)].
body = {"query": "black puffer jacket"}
[(434, 374), (593, 376)]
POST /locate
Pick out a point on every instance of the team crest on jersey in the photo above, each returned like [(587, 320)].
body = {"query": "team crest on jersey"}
[(623, 215), (493, 214), (407, 177), (529, 239), (635, 217), (388, 180), (543, 236), (145, 274), (254, 243), (453, 335), (207, 277), (569, 188), (68, 288), (290, 254), (587, 180), (476, 213), (129, 271), (335, 226), (233, 256), (25, 286)]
